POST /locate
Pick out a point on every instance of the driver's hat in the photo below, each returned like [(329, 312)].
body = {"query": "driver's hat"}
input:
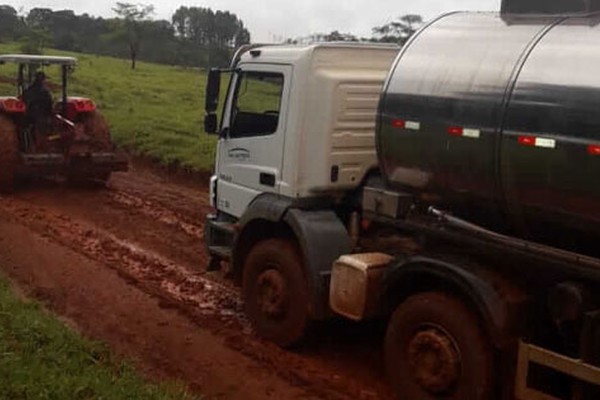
[(40, 76)]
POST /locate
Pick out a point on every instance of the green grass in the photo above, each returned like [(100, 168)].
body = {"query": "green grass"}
[(155, 110), (42, 359)]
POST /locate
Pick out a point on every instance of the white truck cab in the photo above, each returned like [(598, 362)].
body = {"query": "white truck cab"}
[(296, 137), (299, 122)]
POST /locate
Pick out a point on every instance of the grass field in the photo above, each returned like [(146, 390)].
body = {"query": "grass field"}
[(42, 359), (155, 110)]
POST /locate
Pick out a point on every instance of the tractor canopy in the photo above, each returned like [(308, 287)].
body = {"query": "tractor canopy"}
[(37, 60), (28, 65)]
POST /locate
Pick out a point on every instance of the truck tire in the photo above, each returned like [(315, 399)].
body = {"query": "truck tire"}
[(436, 349), (96, 127), (9, 154), (275, 292)]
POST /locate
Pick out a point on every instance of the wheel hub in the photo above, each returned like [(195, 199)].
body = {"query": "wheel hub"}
[(434, 361), (272, 293)]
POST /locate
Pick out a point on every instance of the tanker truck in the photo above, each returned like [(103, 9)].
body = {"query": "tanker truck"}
[(449, 188)]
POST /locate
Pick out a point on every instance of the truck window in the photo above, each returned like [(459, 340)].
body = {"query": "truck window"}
[(257, 104)]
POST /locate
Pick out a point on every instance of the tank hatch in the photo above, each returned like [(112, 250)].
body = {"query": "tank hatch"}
[(550, 7)]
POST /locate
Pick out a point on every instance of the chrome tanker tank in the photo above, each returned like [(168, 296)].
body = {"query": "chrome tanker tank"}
[(500, 113)]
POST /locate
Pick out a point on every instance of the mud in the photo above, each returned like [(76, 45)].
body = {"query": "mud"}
[(127, 266)]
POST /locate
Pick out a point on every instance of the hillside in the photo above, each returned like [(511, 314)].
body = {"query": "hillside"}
[(155, 110)]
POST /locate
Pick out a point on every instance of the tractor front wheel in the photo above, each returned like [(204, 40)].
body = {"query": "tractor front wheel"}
[(9, 153)]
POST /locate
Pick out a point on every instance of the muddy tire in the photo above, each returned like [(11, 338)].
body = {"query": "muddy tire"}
[(275, 292), (9, 154), (96, 127), (436, 349)]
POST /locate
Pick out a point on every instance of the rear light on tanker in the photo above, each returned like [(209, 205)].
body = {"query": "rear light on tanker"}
[(455, 131), (527, 140), (399, 123)]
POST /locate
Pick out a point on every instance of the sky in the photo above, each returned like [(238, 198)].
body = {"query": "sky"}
[(276, 20)]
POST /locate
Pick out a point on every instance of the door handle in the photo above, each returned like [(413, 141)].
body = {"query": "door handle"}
[(267, 179)]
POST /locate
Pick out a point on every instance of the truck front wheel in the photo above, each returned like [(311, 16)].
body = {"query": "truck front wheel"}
[(435, 348), (275, 292)]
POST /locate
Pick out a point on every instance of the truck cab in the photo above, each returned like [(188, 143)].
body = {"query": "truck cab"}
[(298, 122), (295, 138)]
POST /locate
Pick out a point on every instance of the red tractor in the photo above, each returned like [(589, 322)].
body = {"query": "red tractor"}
[(40, 136)]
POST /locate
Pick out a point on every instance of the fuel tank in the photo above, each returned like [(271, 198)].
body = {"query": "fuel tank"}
[(499, 113)]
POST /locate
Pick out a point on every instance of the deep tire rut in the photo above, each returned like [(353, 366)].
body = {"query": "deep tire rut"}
[(343, 363)]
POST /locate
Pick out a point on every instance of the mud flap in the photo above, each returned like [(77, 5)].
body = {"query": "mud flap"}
[(323, 239)]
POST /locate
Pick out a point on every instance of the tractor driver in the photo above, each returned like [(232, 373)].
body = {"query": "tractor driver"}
[(38, 100)]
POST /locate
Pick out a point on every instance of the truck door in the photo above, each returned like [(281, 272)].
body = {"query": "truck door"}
[(250, 150)]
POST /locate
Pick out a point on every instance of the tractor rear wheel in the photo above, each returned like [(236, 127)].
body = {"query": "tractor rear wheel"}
[(97, 129), (9, 153)]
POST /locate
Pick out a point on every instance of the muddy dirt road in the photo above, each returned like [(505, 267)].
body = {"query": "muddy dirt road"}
[(127, 266)]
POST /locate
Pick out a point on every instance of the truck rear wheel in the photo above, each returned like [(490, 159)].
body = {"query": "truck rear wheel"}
[(275, 292), (9, 154), (435, 349)]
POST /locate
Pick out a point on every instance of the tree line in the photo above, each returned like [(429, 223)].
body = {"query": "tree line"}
[(195, 36), (397, 31)]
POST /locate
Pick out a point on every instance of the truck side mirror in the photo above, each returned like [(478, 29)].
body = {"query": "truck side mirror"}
[(213, 87), (211, 123)]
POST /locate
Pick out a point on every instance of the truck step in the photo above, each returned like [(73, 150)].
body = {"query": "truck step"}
[(222, 252), (224, 227)]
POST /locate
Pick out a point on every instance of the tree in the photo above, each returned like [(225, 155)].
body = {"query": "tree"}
[(336, 36), (242, 36), (11, 25), (398, 31), (195, 36), (34, 41), (67, 30), (134, 17), (217, 33), (333, 36)]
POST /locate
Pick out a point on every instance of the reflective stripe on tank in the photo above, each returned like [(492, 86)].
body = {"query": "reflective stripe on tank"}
[(534, 141), (464, 132), (404, 124)]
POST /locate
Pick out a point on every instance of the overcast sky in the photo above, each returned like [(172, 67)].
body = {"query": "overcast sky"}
[(274, 20)]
